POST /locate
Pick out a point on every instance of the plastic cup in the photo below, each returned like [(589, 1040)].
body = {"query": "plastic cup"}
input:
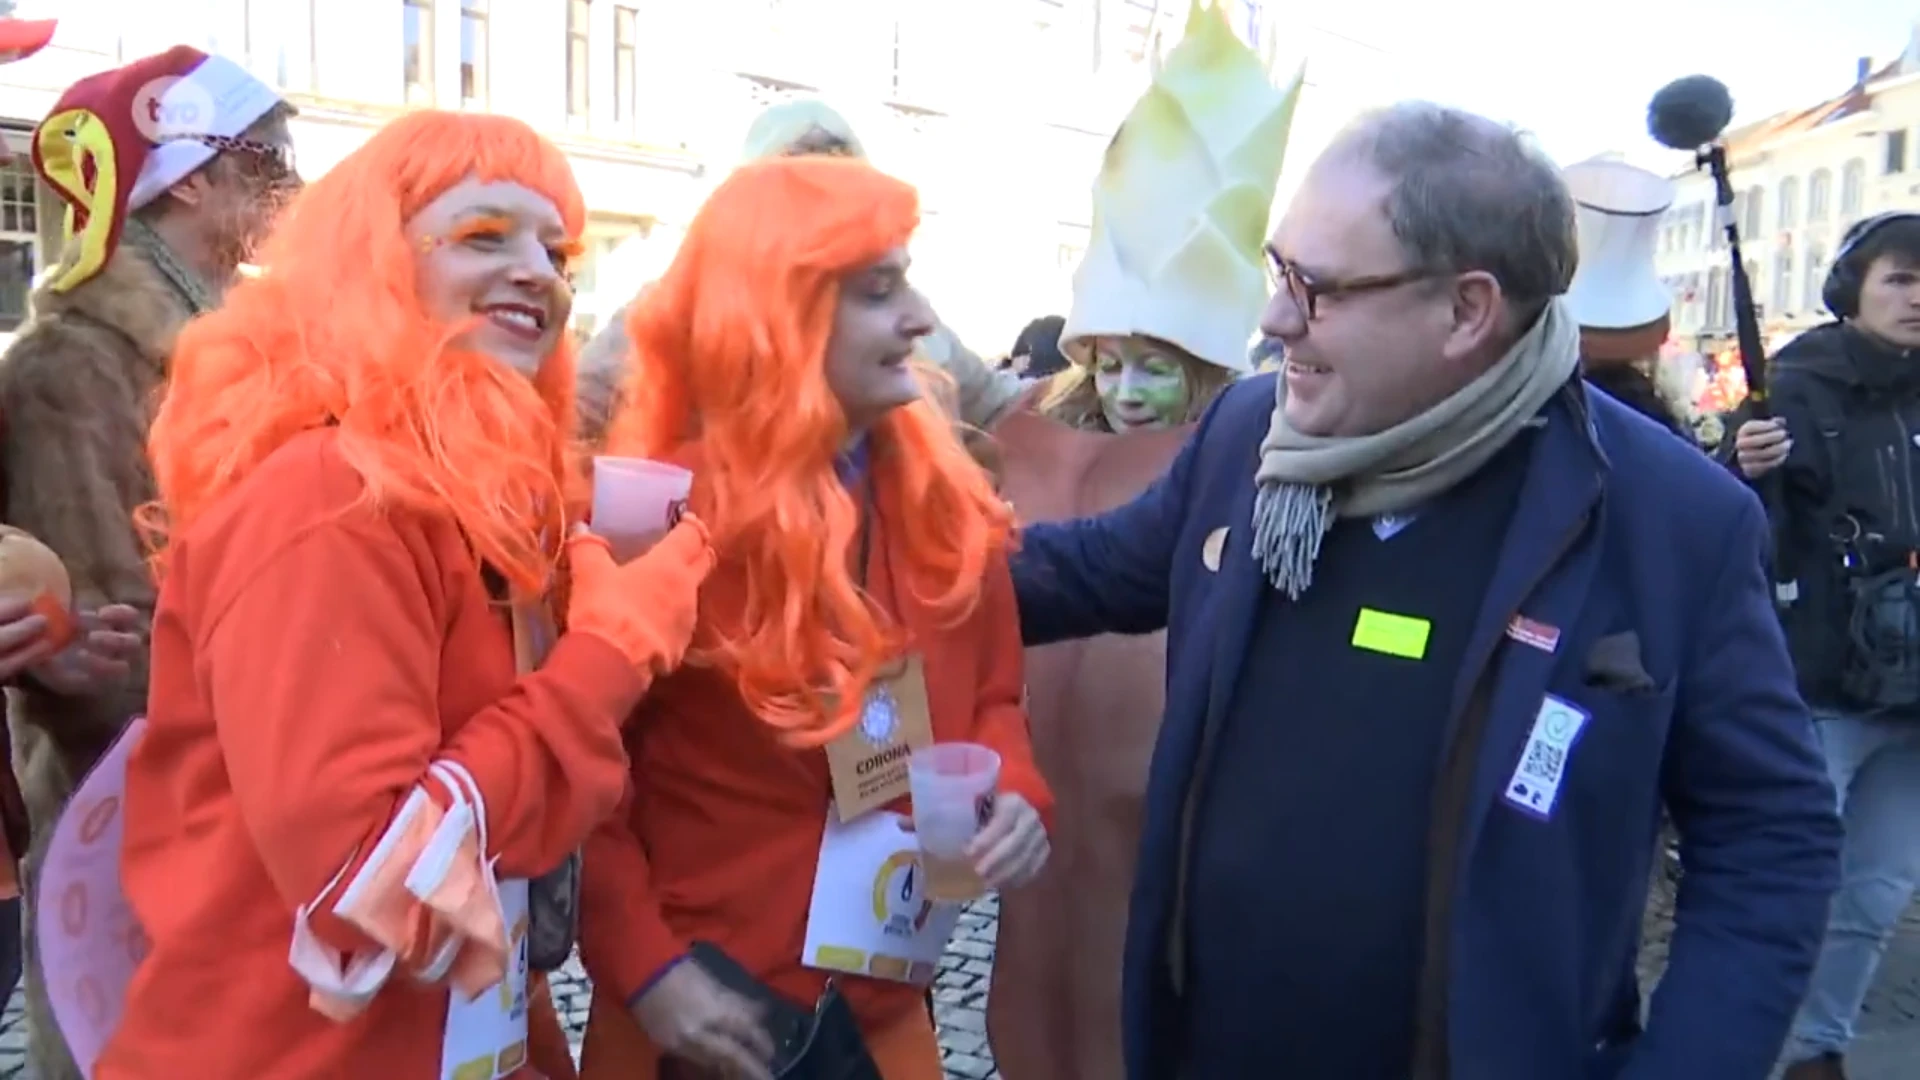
[(635, 502), (953, 785)]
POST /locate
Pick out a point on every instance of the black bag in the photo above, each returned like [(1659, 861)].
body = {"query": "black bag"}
[(1882, 671), (824, 1044), (553, 914)]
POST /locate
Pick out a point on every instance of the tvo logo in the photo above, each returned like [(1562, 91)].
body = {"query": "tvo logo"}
[(170, 108)]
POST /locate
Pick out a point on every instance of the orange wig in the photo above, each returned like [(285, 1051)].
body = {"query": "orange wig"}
[(729, 353), (332, 332)]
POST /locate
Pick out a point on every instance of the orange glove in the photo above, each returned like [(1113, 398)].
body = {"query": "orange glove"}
[(646, 608)]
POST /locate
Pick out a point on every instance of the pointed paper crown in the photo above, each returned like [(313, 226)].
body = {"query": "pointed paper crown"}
[(1180, 207)]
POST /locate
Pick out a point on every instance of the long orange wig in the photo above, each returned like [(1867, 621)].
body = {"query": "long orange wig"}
[(332, 332), (729, 353)]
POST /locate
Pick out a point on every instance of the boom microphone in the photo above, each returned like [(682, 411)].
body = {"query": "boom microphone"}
[(1689, 113)]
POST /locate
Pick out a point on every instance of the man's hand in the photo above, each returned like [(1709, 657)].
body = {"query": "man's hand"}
[(1012, 847), (690, 1016), (98, 660), (1761, 446)]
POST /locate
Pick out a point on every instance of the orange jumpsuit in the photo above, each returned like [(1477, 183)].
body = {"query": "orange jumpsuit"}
[(722, 835), (312, 660)]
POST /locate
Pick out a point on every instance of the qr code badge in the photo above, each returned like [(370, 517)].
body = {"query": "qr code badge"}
[(1535, 785)]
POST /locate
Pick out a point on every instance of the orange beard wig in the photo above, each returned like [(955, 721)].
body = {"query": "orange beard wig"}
[(332, 332), (729, 353)]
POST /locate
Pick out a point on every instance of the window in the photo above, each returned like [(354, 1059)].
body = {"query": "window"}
[(1782, 299), (227, 31), (1816, 278), (417, 40), (473, 53), (1136, 22), (1789, 203), (1716, 298), (19, 241), (1896, 152), (626, 89), (1853, 188), (1819, 195), (579, 17), (279, 36), (1753, 221)]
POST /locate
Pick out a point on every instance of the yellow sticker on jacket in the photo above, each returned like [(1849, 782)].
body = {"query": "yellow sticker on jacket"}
[(1395, 635)]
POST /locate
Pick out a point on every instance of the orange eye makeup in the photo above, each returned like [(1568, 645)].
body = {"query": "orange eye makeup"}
[(489, 225), (496, 227)]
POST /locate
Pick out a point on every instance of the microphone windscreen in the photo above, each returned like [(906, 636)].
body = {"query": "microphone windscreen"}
[(1690, 113)]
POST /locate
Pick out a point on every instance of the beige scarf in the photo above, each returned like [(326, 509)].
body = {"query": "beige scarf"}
[(1307, 482)]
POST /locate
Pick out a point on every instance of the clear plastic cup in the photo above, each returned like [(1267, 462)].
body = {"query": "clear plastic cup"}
[(953, 785), (635, 502)]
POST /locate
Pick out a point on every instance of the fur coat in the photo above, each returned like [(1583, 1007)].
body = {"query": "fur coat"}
[(76, 394)]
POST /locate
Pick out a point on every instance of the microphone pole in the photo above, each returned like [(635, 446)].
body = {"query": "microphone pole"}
[(1746, 320), (1692, 114), (1753, 363)]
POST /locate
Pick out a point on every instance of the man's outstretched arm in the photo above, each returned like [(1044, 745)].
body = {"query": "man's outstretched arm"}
[(1107, 574)]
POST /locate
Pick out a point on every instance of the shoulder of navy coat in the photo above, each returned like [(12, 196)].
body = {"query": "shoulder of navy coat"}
[(1621, 529)]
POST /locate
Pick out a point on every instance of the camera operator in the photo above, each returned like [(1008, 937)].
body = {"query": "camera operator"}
[(1847, 436)]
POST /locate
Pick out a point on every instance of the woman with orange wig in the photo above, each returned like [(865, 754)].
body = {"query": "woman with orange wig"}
[(356, 755), (862, 560)]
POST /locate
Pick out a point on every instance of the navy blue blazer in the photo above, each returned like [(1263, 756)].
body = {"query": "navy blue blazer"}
[(1626, 535)]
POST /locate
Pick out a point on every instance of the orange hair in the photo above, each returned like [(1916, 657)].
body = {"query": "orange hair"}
[(332, 332), (729, 349)]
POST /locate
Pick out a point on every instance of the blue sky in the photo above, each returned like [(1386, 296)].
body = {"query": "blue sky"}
[(1581, 81)]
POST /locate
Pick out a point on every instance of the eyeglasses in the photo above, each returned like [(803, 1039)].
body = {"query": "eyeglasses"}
[(1306, 290)]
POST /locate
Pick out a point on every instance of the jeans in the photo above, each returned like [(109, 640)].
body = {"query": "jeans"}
[(1875, 766)]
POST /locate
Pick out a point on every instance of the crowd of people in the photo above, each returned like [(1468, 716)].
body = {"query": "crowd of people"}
[(1350, 609)]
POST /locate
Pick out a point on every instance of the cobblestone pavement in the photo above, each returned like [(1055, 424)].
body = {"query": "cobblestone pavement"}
[(1889, 1040)]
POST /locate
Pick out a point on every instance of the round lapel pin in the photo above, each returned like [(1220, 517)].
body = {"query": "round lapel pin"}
[(1210, 551)]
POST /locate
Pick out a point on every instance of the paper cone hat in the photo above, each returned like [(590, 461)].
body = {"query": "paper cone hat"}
[(1180, 207), (1617, 208)]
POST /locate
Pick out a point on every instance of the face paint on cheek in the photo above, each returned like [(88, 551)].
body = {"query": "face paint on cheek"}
[(1165, 392), (1142, 393)]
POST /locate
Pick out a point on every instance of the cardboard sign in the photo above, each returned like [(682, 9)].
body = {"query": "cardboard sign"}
[(869, 763), (870, 913)]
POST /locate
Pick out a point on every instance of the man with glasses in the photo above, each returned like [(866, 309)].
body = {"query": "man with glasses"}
[(172, 168), (1445, 631)]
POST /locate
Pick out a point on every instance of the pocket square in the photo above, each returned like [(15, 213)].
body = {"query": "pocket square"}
[(1614, 664)]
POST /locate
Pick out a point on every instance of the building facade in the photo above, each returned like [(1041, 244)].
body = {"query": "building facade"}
[(1802, 178), (998, 110)]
